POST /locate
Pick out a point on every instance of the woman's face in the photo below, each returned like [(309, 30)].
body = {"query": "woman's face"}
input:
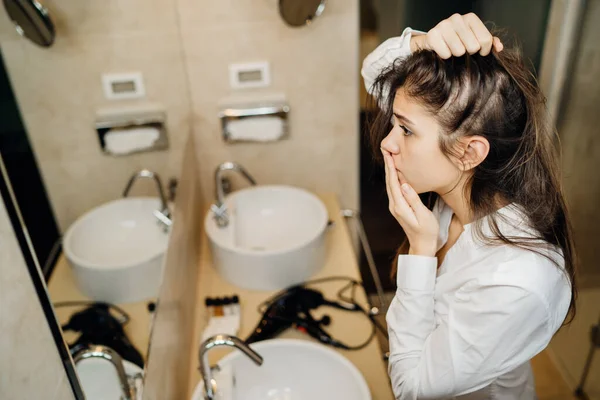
[(414, 145)]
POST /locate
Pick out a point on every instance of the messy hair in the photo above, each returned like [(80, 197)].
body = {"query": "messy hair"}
[(496, 97)]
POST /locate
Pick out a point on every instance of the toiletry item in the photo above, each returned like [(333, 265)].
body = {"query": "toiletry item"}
[(209, 303), (223, 316), (219, 307)]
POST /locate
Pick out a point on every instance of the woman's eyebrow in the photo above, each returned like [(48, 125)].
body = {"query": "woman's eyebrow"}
[(403, 118)]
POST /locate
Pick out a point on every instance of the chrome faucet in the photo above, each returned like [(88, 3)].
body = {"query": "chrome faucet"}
[(210, 385), (219, 209), (163, 215), (106, 353)]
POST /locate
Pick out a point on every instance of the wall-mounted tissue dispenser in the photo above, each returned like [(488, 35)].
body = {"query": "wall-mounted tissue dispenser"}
[(261, 122), (123, 132)]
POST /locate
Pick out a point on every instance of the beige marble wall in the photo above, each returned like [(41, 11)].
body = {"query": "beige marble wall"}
[(183, 48), (30, 365), (59, 89), (315, 67), (167, 368)]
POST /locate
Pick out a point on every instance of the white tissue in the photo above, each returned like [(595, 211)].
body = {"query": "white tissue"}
[(125, 141), (257, 129)]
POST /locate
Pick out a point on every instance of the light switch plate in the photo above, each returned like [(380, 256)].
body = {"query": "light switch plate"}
[(249, 75), (123, 86)]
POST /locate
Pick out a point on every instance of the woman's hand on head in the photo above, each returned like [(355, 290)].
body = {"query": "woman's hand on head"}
[(456, 36), (419, 223)]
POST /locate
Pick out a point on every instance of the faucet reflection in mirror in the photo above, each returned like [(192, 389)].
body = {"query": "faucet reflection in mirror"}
[(164, 214), (128, 388), (219, 208)]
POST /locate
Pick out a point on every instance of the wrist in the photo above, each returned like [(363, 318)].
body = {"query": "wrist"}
[(427, 251)]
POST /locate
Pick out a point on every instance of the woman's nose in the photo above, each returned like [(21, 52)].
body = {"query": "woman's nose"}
[(390, 145)]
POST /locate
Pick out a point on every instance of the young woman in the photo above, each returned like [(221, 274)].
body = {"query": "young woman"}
[(486, 276)]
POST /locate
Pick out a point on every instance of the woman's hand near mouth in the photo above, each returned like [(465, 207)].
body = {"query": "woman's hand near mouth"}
[(419, 223)]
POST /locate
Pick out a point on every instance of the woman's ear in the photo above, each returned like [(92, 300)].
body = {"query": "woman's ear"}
[(474, 150)]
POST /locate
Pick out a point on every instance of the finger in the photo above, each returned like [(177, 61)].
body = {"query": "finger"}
[(483, 35), (436, 43), (452, 40), (401, 177), (465, 34), (498, 46), (413, 200), (400, 204), (387, 176)]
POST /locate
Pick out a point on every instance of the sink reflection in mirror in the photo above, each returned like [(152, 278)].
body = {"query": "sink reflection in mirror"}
[(275, 237), (105, 285)]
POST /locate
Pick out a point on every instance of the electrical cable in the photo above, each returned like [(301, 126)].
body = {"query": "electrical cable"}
[(351, 285)]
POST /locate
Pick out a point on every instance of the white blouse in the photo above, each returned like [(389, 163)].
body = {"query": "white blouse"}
[(468, 329)]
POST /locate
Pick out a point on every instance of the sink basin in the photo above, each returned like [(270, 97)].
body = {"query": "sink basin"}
[(292, 369), (99, 379), (116, 250), (275, 237)]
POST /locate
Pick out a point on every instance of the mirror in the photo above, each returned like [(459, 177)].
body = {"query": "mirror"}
[(300, 12), (89, 316), (31, 20)]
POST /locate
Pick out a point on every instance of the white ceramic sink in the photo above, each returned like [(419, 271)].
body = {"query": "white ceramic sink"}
[(116, 250), (275, 237), (292, 370), (99, 379)]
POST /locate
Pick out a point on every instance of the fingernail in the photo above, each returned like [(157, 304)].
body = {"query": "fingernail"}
[(405, 188)]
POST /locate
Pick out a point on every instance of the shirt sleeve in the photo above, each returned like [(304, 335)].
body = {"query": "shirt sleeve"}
[(490, 329), (384, 55)]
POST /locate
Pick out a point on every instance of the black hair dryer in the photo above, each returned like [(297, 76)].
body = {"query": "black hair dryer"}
[(292, 309), (97, 325)]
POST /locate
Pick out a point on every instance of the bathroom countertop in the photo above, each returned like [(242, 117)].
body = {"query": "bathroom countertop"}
[(349, 327), (62, 287)]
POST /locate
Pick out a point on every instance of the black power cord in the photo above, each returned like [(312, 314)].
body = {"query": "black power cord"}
[(346, 302)]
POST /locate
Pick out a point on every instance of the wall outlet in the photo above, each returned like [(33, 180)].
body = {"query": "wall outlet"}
[(249, 75), (123, 86)]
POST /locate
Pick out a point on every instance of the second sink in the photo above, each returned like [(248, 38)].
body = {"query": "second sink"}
[(117, 249), (292, 369), (275, 237)]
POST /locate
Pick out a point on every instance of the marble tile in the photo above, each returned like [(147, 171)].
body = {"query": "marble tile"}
[(114, 17), (315, 68), (30, 363), (198, 14), (59, 91)]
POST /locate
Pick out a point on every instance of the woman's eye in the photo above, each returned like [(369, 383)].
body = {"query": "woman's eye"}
[(407, 132)]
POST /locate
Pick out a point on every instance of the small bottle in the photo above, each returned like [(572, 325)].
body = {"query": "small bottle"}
[(218, 305)]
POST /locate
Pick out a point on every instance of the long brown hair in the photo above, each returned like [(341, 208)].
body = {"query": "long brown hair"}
[(497, 97)]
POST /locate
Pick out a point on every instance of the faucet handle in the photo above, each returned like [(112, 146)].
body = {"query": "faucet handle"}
[(220, 214)]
